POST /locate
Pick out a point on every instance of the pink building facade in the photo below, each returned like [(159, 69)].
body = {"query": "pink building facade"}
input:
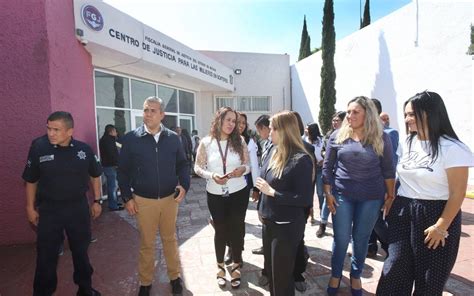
[(44, 69)]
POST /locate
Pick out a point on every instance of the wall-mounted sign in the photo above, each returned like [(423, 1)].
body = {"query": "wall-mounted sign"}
[(126, 35), (92, 17)]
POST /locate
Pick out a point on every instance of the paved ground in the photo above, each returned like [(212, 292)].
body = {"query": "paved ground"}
[(114, 257)]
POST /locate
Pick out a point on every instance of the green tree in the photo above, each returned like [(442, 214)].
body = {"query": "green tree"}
[(307, 48), (470, 50), (328, 72), (305, 44), (366, 20)]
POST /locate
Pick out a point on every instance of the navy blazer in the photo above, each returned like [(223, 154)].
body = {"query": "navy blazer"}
[(293, 191)]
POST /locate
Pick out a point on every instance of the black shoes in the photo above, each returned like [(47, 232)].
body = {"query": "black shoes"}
[(176, 287), (301, 286), (372, 254), (258, 251), (144, 291), (321, 230), (91, 292)]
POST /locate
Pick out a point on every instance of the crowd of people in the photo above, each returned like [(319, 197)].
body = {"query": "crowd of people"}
[(408, 196)]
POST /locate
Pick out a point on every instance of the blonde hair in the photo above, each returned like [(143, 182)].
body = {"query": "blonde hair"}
[(289, 141), (372, 129)]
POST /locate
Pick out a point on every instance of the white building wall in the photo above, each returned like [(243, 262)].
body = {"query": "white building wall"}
[(383, 61), (262, 75)]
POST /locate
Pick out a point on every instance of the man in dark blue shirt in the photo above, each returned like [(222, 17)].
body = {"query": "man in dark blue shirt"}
[(57, 175), (109, 158), (153, 176)]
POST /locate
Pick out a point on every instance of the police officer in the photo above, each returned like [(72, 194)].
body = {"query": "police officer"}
[(58, 171)]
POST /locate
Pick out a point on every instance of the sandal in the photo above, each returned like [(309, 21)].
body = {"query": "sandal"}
[(221, 281), (235, 276)]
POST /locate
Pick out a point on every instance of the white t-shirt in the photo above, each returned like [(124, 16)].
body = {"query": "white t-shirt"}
[(421, 179), (318, 146)]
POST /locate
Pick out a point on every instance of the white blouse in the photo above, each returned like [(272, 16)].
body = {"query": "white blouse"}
[(209, 162), (254, 168)]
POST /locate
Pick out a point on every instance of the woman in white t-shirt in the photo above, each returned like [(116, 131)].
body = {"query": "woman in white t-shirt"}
[(222, 159), (425, 218)]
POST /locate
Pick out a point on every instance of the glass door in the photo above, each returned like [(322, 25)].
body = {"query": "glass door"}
[(186, 122)]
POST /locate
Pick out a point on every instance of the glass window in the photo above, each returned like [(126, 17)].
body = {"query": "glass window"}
[(224, 102), (261, 103), (111, 90), (168, 95), (186, 102), (140, 91), (244, 104), (170, 121), (119, 118)]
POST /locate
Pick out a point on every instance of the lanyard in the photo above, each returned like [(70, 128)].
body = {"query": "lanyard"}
[(223, 156), (267, 148)]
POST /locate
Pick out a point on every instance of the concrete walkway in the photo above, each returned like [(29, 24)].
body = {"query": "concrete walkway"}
[(114, 257)]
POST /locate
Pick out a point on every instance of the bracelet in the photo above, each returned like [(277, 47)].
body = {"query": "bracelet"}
[(444, 233)]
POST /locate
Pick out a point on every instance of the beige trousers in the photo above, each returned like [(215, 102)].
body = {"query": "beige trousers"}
[(157, 215)]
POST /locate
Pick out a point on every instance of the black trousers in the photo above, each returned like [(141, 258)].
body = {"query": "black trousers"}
[(302, 256), (280, 243), (228, 215), (380, 233), (55, 218), (410, 261)]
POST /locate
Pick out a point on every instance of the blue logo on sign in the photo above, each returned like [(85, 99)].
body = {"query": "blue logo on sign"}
[(92, 18)]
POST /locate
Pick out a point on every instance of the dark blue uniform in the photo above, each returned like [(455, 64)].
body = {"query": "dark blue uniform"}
[(63, 176)]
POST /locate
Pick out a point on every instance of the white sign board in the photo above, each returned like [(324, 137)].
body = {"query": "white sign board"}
[(101, 24)]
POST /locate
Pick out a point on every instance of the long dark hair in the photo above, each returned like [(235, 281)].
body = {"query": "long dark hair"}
[(430, 105), (234, 138), (245, 132), (314, 135)]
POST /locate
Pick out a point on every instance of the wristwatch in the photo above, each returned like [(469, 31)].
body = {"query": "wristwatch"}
[(99, 201)]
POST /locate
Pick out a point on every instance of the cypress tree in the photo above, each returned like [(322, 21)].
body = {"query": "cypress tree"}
[(304, 40), (366, 20), (328, 72), (470, 50), (307, 48)]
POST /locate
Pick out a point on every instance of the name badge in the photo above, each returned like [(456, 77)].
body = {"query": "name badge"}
[(46, 158), (225, 191)]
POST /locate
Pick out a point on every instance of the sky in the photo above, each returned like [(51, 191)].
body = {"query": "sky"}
[(262, 26)]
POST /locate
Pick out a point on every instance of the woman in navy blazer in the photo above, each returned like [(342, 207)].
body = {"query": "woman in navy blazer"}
[(286, 184)]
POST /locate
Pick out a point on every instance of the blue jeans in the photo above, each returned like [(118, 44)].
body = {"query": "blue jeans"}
[(322, 201), (111, 175), (356, 219)]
